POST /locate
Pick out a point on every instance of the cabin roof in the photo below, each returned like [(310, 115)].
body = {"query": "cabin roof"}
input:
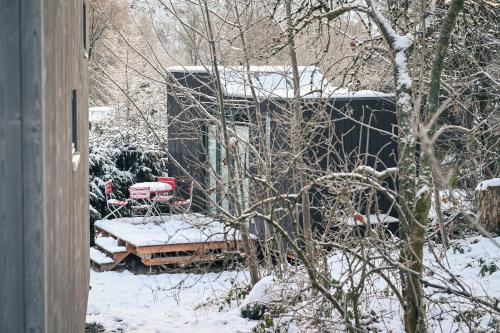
[(277, 82), (97, 113)]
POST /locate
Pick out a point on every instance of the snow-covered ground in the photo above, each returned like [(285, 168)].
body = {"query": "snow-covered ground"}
[(164, 302), (185, 302)]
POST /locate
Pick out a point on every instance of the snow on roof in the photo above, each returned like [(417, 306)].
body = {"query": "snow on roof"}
[(99, 112), (172, 229), (348, 93), (485, 185), (207, 69), (276, 82)]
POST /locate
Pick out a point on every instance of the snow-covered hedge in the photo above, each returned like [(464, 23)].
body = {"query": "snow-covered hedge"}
[(123, 156)]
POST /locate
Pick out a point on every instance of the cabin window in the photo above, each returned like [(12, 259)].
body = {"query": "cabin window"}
[(219, 168), (268, 130), (74, 122), (75, 159), (84, 28)]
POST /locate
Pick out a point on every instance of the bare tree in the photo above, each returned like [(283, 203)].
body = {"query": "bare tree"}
[(408, 47)]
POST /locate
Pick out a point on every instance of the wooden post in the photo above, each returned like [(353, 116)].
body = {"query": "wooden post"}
[(488, 210)]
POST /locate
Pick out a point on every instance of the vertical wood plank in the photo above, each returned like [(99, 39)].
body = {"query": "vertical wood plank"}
[(32, 165), (44, 267), (11, 209)]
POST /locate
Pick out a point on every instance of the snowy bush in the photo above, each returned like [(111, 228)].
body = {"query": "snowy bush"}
[(122, 156)]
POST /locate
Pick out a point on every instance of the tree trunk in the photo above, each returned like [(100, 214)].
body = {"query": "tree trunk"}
[(261, 140), (413, 293), (297, 133), (488, 210), (250, 253)]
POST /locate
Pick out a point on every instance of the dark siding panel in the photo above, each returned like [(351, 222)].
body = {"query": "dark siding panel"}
[(65, 190), (11, 209), (345, 129), (31, 74), (44, 204), (187, 133)]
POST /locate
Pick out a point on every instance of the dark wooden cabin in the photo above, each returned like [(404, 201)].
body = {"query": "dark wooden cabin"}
[(355, 128), (44, 221)]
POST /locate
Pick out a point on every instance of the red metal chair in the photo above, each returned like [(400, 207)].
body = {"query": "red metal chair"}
[(165, 199), (138, 195), (168, 180), (112, 203), (184, 204)]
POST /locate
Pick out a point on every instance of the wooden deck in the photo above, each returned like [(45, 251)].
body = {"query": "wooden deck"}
[(172, 242)]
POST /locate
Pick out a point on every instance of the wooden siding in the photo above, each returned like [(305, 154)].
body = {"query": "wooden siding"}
[(352, 141), (185, 143), (11, 206), (44, 203)]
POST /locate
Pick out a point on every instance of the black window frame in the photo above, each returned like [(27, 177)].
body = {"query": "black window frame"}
[(74, 120), (84, 25)]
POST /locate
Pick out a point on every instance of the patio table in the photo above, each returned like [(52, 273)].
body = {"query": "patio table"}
[(144, 193), (154, 187)]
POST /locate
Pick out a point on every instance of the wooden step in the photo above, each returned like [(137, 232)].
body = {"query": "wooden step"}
[(108, 253), (100, 259), (109, 245)]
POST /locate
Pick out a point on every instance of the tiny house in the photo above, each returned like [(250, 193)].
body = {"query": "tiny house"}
[(44, 201), (350, 128)]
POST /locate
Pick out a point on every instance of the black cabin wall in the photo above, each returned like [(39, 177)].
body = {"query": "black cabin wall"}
[(353, 143), (187, 133)]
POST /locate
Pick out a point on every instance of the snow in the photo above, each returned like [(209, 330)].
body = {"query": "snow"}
[(276, 81), (399, 42), (97, 113), (153, 186), (464, 260), (312, 83), (348, 93), (273, 81), (165, 303), (171, 229), (485, 185), (423, 190), (109, 244), (207, 69), (403, 78), (185, 302), (116, 202), (189, 69), (375, 173), (400, 45), (268, 290), (99, 257)]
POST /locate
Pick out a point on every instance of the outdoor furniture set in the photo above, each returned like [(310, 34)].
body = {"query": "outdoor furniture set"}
[(146, 198)]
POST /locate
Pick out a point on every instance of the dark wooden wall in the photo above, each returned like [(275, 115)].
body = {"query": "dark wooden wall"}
[(12, 260), (186, 142), (340, 144), (44, 265)]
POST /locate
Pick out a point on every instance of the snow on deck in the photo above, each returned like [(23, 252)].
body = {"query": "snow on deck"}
[(172, 229)]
